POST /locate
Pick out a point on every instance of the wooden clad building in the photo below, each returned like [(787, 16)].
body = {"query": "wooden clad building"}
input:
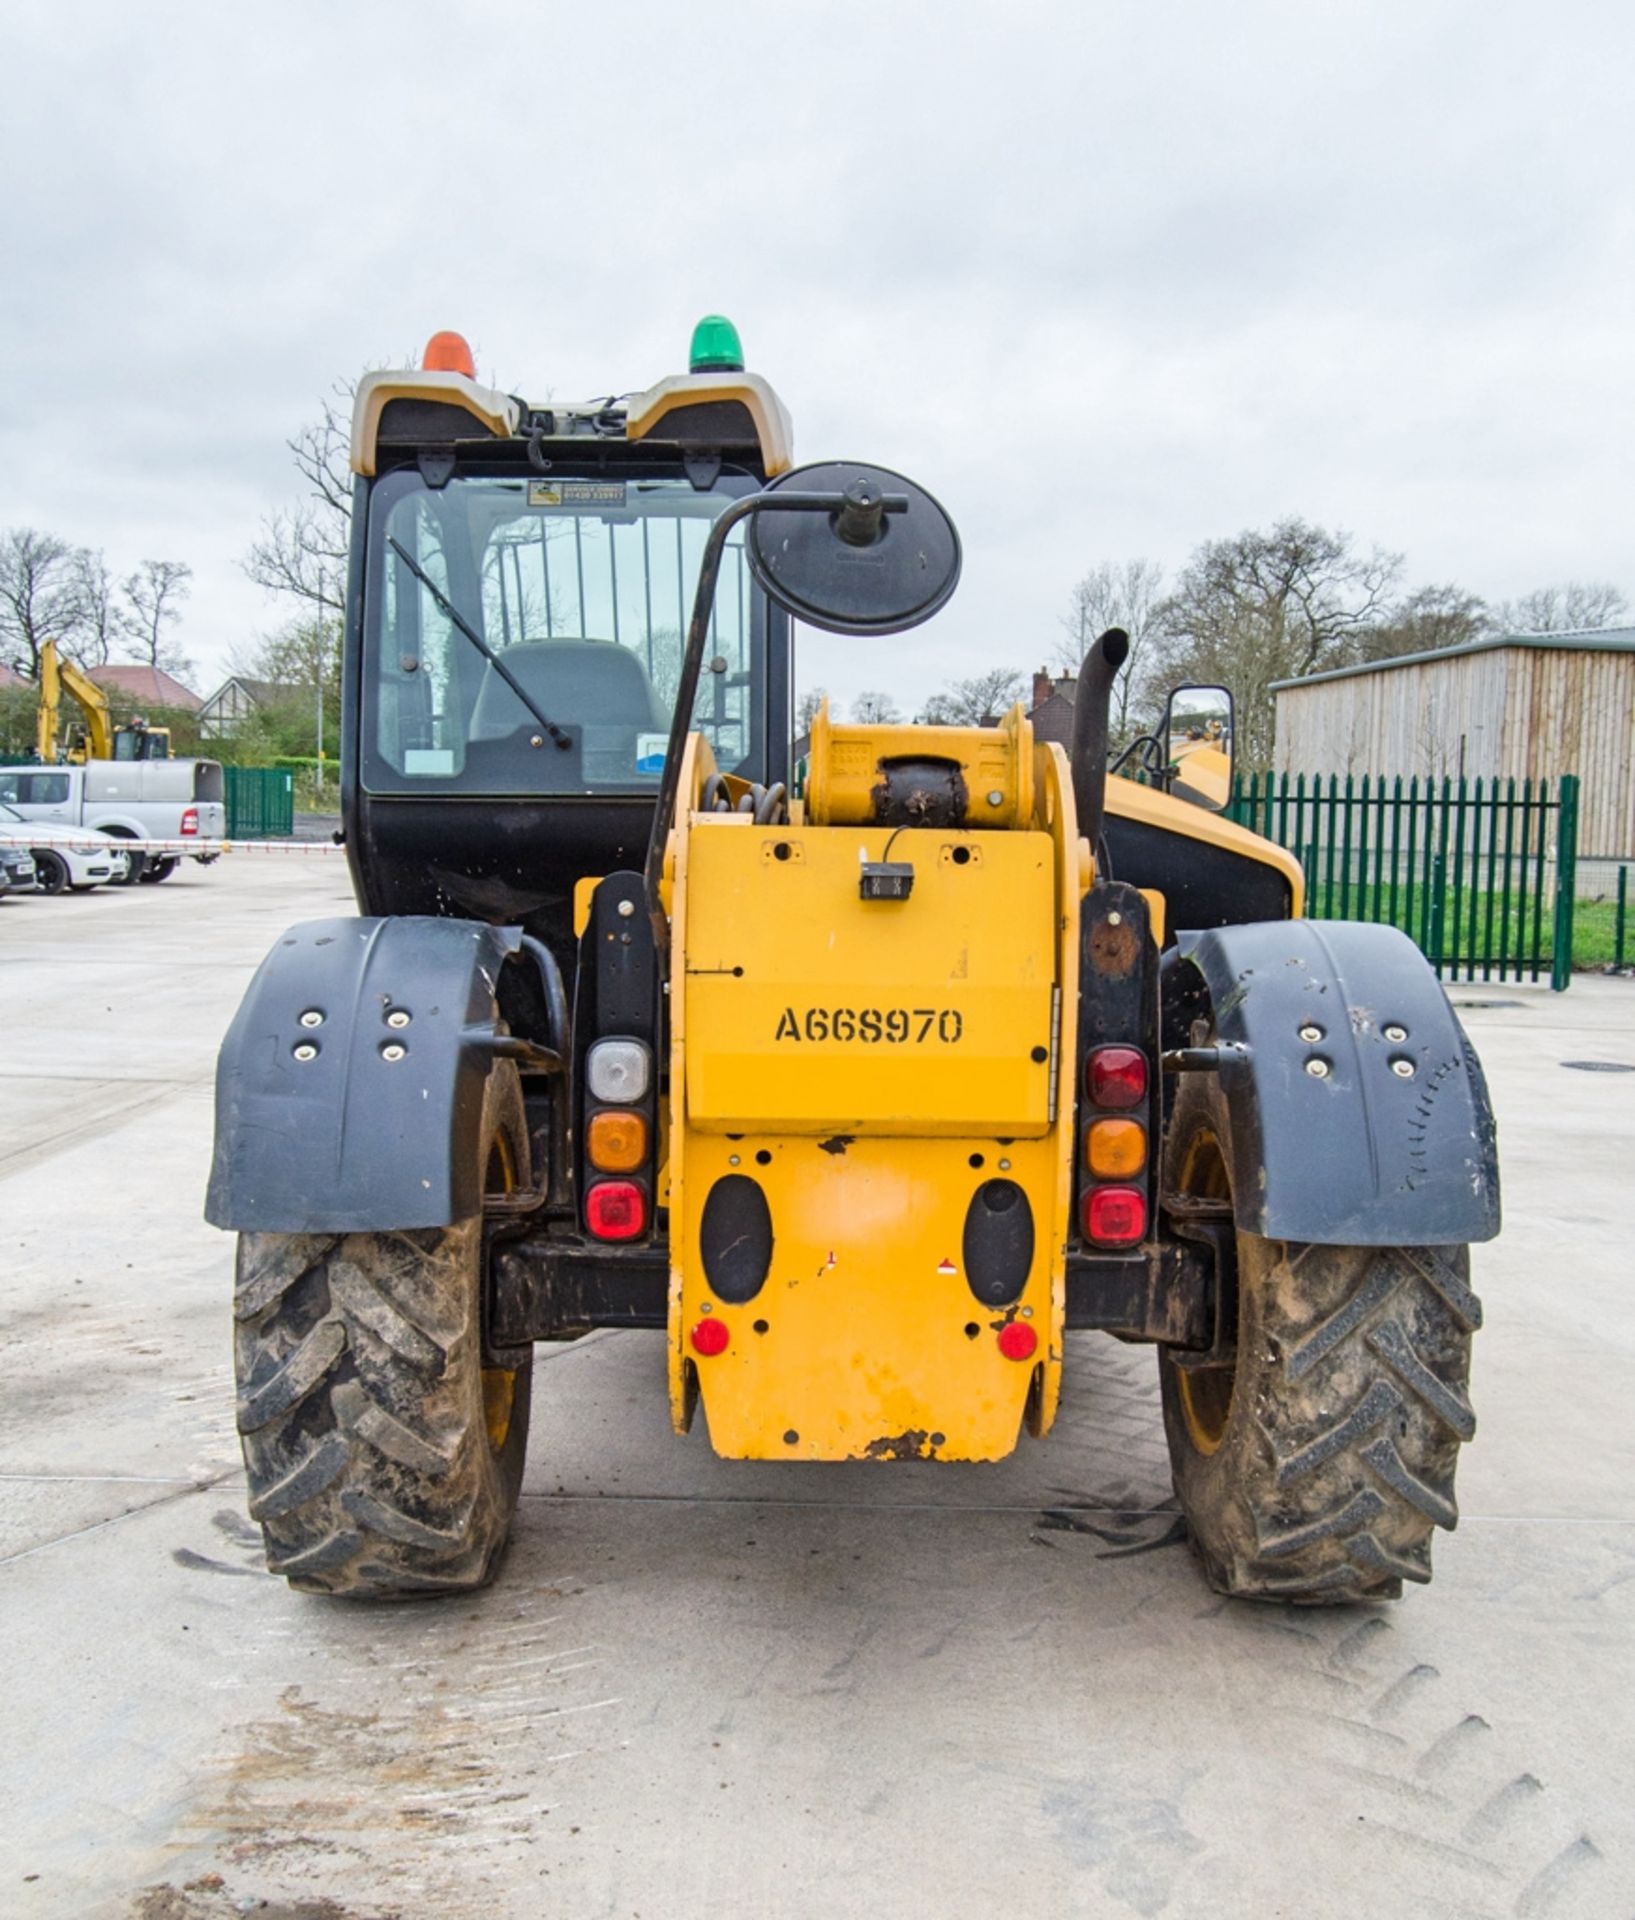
[(1527, 706)]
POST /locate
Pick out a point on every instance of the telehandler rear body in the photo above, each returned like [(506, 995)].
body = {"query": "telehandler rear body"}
[(864, 1095)]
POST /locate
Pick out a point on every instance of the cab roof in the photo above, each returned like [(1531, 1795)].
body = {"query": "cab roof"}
[(403, 412)]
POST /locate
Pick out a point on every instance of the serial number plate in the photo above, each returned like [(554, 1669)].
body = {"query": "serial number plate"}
[(885, 1026)]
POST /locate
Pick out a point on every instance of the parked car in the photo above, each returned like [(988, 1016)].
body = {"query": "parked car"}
[(65, 857), (130, 799), (17, 869)]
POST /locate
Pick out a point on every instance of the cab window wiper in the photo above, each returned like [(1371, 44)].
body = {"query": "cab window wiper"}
[(451, 612)]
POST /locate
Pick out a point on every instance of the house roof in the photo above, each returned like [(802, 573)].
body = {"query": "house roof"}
[(9, 677), (1578, 640), (149, 684), (262, 692)]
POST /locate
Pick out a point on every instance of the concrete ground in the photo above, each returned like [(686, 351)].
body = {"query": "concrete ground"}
[(702, 1688)]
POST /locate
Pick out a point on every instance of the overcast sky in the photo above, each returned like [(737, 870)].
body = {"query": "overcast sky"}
[(1109, 279)]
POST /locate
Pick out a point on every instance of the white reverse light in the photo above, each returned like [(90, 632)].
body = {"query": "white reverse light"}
[(618, 1070)]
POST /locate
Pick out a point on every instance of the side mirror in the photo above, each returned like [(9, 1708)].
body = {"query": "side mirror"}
[(883, 558), (1197, 736), (851, 548)]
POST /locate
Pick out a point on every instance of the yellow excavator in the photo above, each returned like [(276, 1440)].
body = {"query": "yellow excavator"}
[(96, 738)]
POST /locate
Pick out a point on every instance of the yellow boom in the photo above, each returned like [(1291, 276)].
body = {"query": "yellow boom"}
[(57, 676)]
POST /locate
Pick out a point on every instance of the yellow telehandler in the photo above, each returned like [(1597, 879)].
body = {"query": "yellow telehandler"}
[(863, 1096)]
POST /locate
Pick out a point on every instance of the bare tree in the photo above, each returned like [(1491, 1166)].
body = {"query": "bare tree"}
[(806, 709), (41, 596), (1125, 594), (1269, 606), (1577, 606), (876, 709), (100, 626), (1426, 620), (153, 596), (302, 551), (968, 703)]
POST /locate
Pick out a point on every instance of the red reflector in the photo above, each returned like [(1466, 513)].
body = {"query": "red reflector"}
[(447, 352), (1115, 1216), (711, 1336), (1017, 1340), (615, 1210), (1116, 1077), (190, 820)]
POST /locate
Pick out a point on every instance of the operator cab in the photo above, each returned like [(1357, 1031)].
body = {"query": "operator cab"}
[(527, 576)]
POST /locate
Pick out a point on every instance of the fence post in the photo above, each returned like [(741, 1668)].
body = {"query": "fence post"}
[(1619, 917), (1561, 942), (1438, 911)]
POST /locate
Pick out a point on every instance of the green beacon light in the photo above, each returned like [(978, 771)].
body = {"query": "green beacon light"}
[(716, 347)]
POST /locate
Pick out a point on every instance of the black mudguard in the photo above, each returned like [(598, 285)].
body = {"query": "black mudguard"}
[(1359, 1152), (350, 1140)]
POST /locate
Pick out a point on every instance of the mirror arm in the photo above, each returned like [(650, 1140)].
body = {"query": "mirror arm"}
[(692, 662)]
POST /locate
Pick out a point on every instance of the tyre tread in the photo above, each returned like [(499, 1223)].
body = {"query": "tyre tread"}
[(361, 1407), (1337, 1462)]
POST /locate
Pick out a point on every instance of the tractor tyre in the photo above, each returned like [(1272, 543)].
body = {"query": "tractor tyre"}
[(159, 867), (50, 871), (384, 1457), (1317, 1464)]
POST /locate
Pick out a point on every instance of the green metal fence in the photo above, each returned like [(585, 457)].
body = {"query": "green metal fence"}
[(1480, 873), (260, 803)]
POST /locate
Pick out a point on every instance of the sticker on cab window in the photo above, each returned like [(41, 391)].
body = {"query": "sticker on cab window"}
[(576, 493), (650, 751)]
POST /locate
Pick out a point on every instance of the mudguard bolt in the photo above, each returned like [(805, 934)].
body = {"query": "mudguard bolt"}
[(312, 1018), (1317, 1068), (626, 909), (1311, 1033), (393, 1051), (397, 1018), (306, 1051), (1396, 1033), (1403, 1069)]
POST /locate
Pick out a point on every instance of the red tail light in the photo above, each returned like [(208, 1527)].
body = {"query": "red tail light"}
[(1116, 1077), (190, 820), (1115, 1216), (616, 1210)]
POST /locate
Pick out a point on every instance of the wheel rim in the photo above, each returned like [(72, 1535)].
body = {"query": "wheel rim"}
[(499, 1383), (1205, 1393)]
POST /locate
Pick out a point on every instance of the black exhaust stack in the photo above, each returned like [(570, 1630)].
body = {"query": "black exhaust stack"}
[(1092, 704)]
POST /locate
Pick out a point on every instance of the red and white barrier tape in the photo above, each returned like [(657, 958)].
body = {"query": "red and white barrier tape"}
[(190, 848)]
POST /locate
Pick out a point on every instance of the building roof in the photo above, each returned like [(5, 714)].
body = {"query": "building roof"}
[(1578, 640), (262, 692), (149, 685), (9, 677)]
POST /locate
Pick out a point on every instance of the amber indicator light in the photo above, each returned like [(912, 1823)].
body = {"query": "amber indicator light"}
[(1115, 1149), (616, 1142)]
